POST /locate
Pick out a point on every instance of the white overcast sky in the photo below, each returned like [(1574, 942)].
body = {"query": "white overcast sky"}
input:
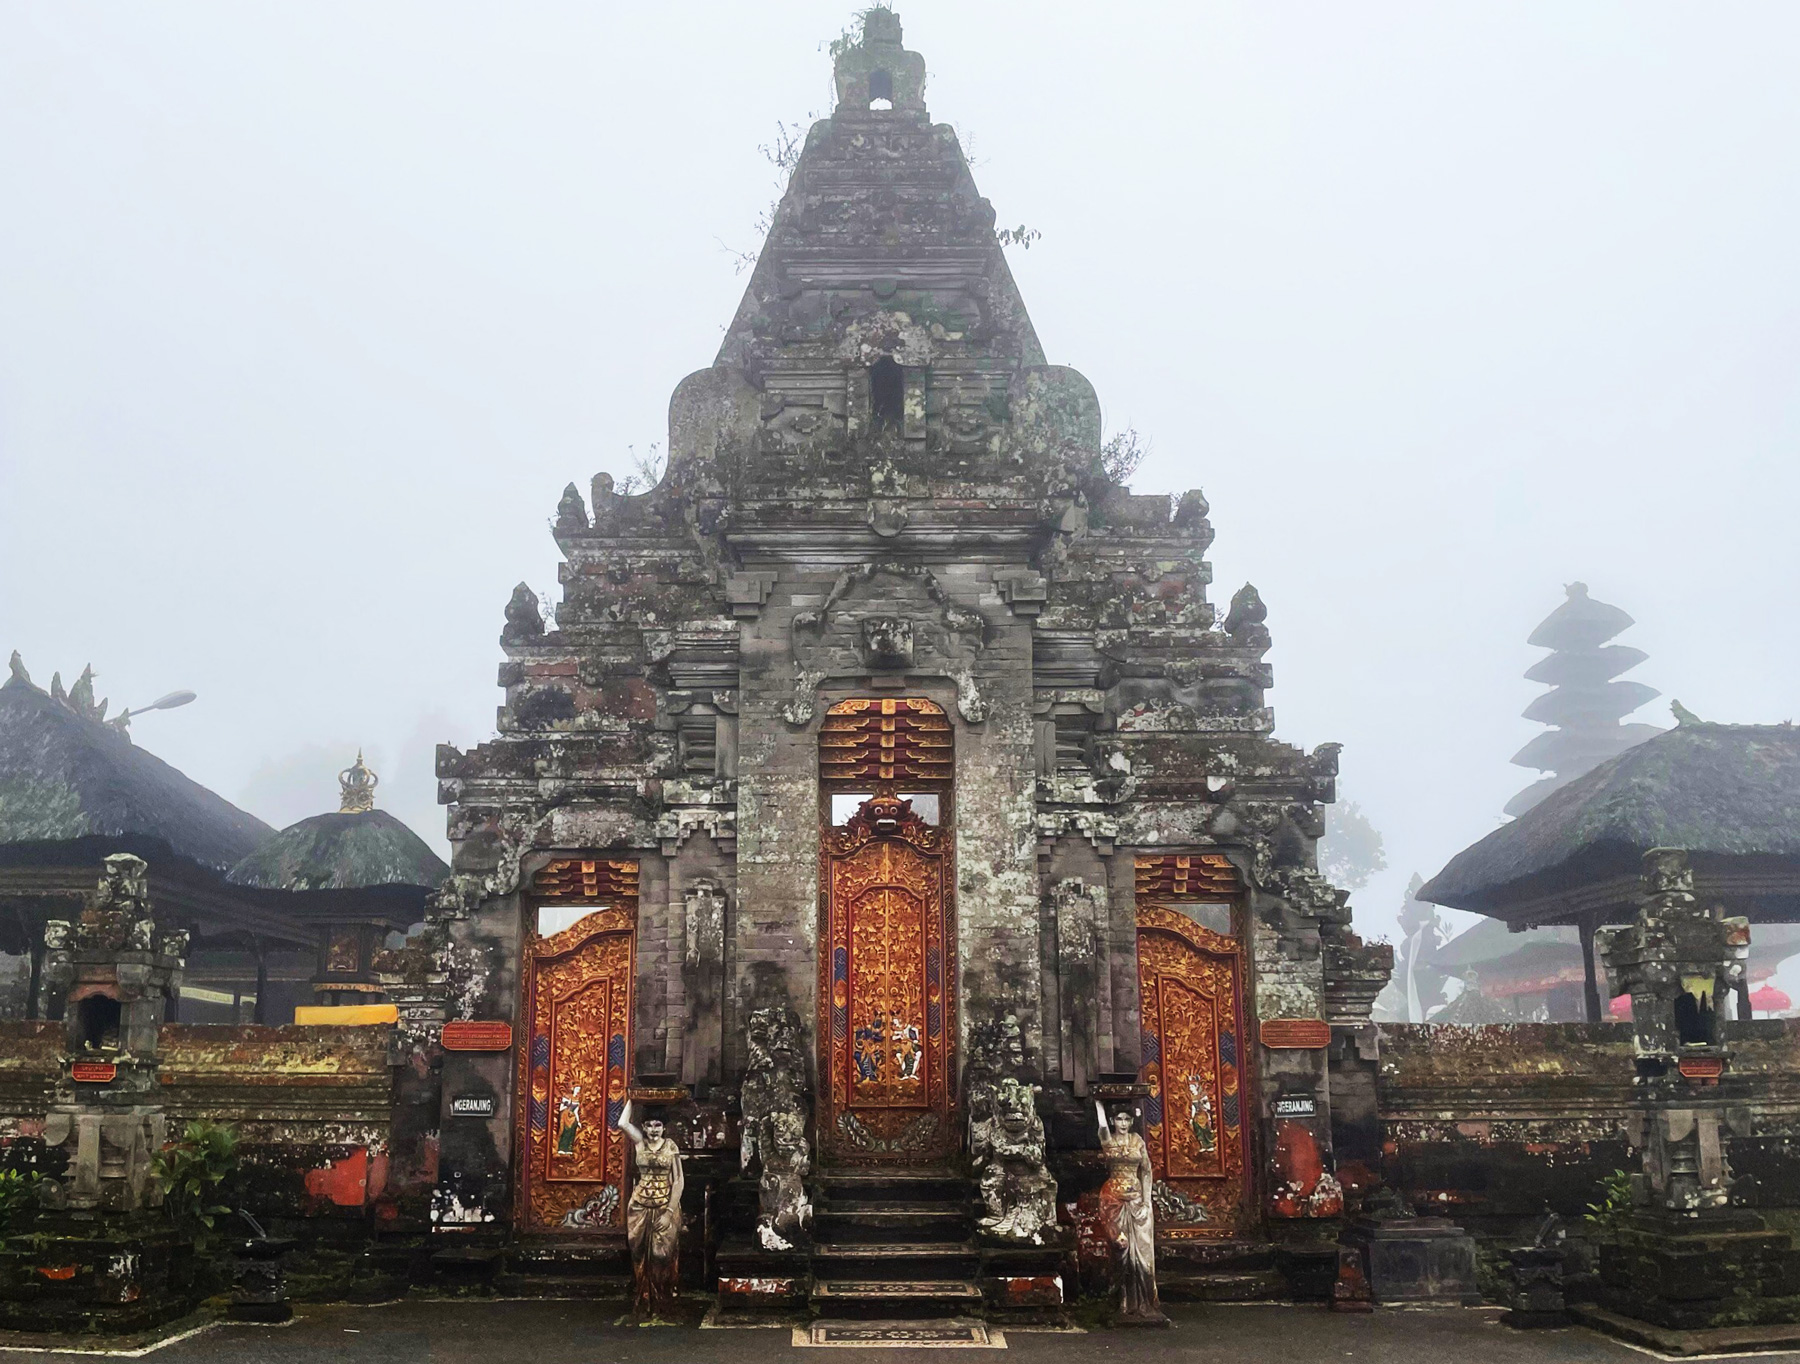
[(308, 313)]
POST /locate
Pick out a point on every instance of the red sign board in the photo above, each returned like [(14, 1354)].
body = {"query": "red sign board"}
[(1294, 1034), (1705, 1069), (93, 1072), (477, 1034)]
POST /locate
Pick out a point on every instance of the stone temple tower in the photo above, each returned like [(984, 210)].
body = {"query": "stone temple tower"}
[(888, 707)]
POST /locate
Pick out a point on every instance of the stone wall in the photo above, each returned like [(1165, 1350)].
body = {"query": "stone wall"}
[(1487, 1125), (313, 1108)]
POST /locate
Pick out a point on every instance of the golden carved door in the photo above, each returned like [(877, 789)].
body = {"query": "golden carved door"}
[(1190, 979), (886, 985), (574, 1065)]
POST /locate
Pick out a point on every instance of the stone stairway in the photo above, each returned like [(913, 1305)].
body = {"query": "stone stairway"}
[(895, 1246)]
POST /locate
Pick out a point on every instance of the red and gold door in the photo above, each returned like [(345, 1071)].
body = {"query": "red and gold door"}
[(886, 958), (1190, 978), (575, 1061)]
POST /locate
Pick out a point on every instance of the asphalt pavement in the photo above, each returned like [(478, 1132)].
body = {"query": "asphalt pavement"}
[(475, 1332)]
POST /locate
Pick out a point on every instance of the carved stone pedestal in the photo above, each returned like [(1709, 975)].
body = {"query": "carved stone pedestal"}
[(1416, 1259), (1723, 1268), (1535, 1288)]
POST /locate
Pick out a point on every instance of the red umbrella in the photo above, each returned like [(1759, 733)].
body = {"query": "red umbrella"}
[(1769, 1000)]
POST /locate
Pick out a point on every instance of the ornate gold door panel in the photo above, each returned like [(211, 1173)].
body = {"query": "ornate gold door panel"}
[(885, 991), (1190, 980), (575, 1062)]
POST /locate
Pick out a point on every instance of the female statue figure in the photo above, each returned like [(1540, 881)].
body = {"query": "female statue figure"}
[(653, 1217), (1128, 1219)]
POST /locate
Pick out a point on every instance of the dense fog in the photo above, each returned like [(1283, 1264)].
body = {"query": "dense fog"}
[(308, 313)]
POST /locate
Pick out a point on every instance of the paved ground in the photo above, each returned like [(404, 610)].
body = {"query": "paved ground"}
[(582, 1333)]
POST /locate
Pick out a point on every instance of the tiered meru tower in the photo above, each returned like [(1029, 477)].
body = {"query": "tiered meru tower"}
[(890, 706)]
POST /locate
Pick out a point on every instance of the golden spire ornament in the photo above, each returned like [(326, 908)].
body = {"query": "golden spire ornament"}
[(358, 783)]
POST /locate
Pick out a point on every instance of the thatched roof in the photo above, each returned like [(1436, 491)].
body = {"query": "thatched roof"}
[(1727, 793), (66, 778), (342, 851)]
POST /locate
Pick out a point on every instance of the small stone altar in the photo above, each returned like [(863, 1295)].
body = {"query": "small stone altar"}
[(1686, 1258), (101, 1256)]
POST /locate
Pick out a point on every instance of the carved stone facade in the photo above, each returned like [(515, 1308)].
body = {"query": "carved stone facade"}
[(887, 602)]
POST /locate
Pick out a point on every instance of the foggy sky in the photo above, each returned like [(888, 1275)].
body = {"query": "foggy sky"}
[(308, 313)]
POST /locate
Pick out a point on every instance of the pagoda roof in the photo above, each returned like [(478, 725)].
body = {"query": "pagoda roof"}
[(1729, 794), (67, 779), (345, 850)]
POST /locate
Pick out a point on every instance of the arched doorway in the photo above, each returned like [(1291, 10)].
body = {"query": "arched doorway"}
[(887, 942), (576, 978)]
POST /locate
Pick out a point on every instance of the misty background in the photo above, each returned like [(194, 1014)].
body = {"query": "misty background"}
[(308, 313)]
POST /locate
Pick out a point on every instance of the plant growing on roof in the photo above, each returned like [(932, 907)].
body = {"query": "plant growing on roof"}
[(191, 1172)]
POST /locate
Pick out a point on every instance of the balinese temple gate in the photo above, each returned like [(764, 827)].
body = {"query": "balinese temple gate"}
[(889, 717)]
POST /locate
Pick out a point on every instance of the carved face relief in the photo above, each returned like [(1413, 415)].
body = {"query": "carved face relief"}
[(887, 642), (795, 428), (966, 430)]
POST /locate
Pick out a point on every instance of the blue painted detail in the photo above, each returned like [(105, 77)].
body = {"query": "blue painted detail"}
[(540, 1115), (1153, 1111), (614, 1107), (1152, 1049), (934, 1019), (615, 1052), (934, 967), (840, 964), (540, 1052), (1228, 1048), (1230, 1109)]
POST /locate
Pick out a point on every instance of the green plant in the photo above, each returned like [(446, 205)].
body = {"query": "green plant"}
[(18, 1191), (191, 1171), (1609, 1214)]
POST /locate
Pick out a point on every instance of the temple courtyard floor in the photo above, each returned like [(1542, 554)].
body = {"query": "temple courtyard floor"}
[(450, 1332)]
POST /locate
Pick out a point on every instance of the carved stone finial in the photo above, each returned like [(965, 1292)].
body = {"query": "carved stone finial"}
[(1247, 611), (357, 785), (524, 621), (879, 68), (571, 512), (17, 667)]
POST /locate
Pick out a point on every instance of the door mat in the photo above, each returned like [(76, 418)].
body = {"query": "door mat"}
[(887, 1335)]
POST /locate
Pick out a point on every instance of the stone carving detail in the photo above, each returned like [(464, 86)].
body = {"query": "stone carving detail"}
[(1006, 1147), (118, 915), (887, 642), (524, 618), (941, 637), (773, 1100), (704, 903)]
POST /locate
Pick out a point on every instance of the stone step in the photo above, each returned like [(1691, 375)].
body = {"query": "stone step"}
[(866, 1299), (586, 1287), (891, 1260), (1222, 1285), (903, 1222), (841, 1187), (567, 1259)]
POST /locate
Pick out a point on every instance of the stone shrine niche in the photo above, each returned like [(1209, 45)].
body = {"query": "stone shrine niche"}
[(1082, 914), (887, 616)]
